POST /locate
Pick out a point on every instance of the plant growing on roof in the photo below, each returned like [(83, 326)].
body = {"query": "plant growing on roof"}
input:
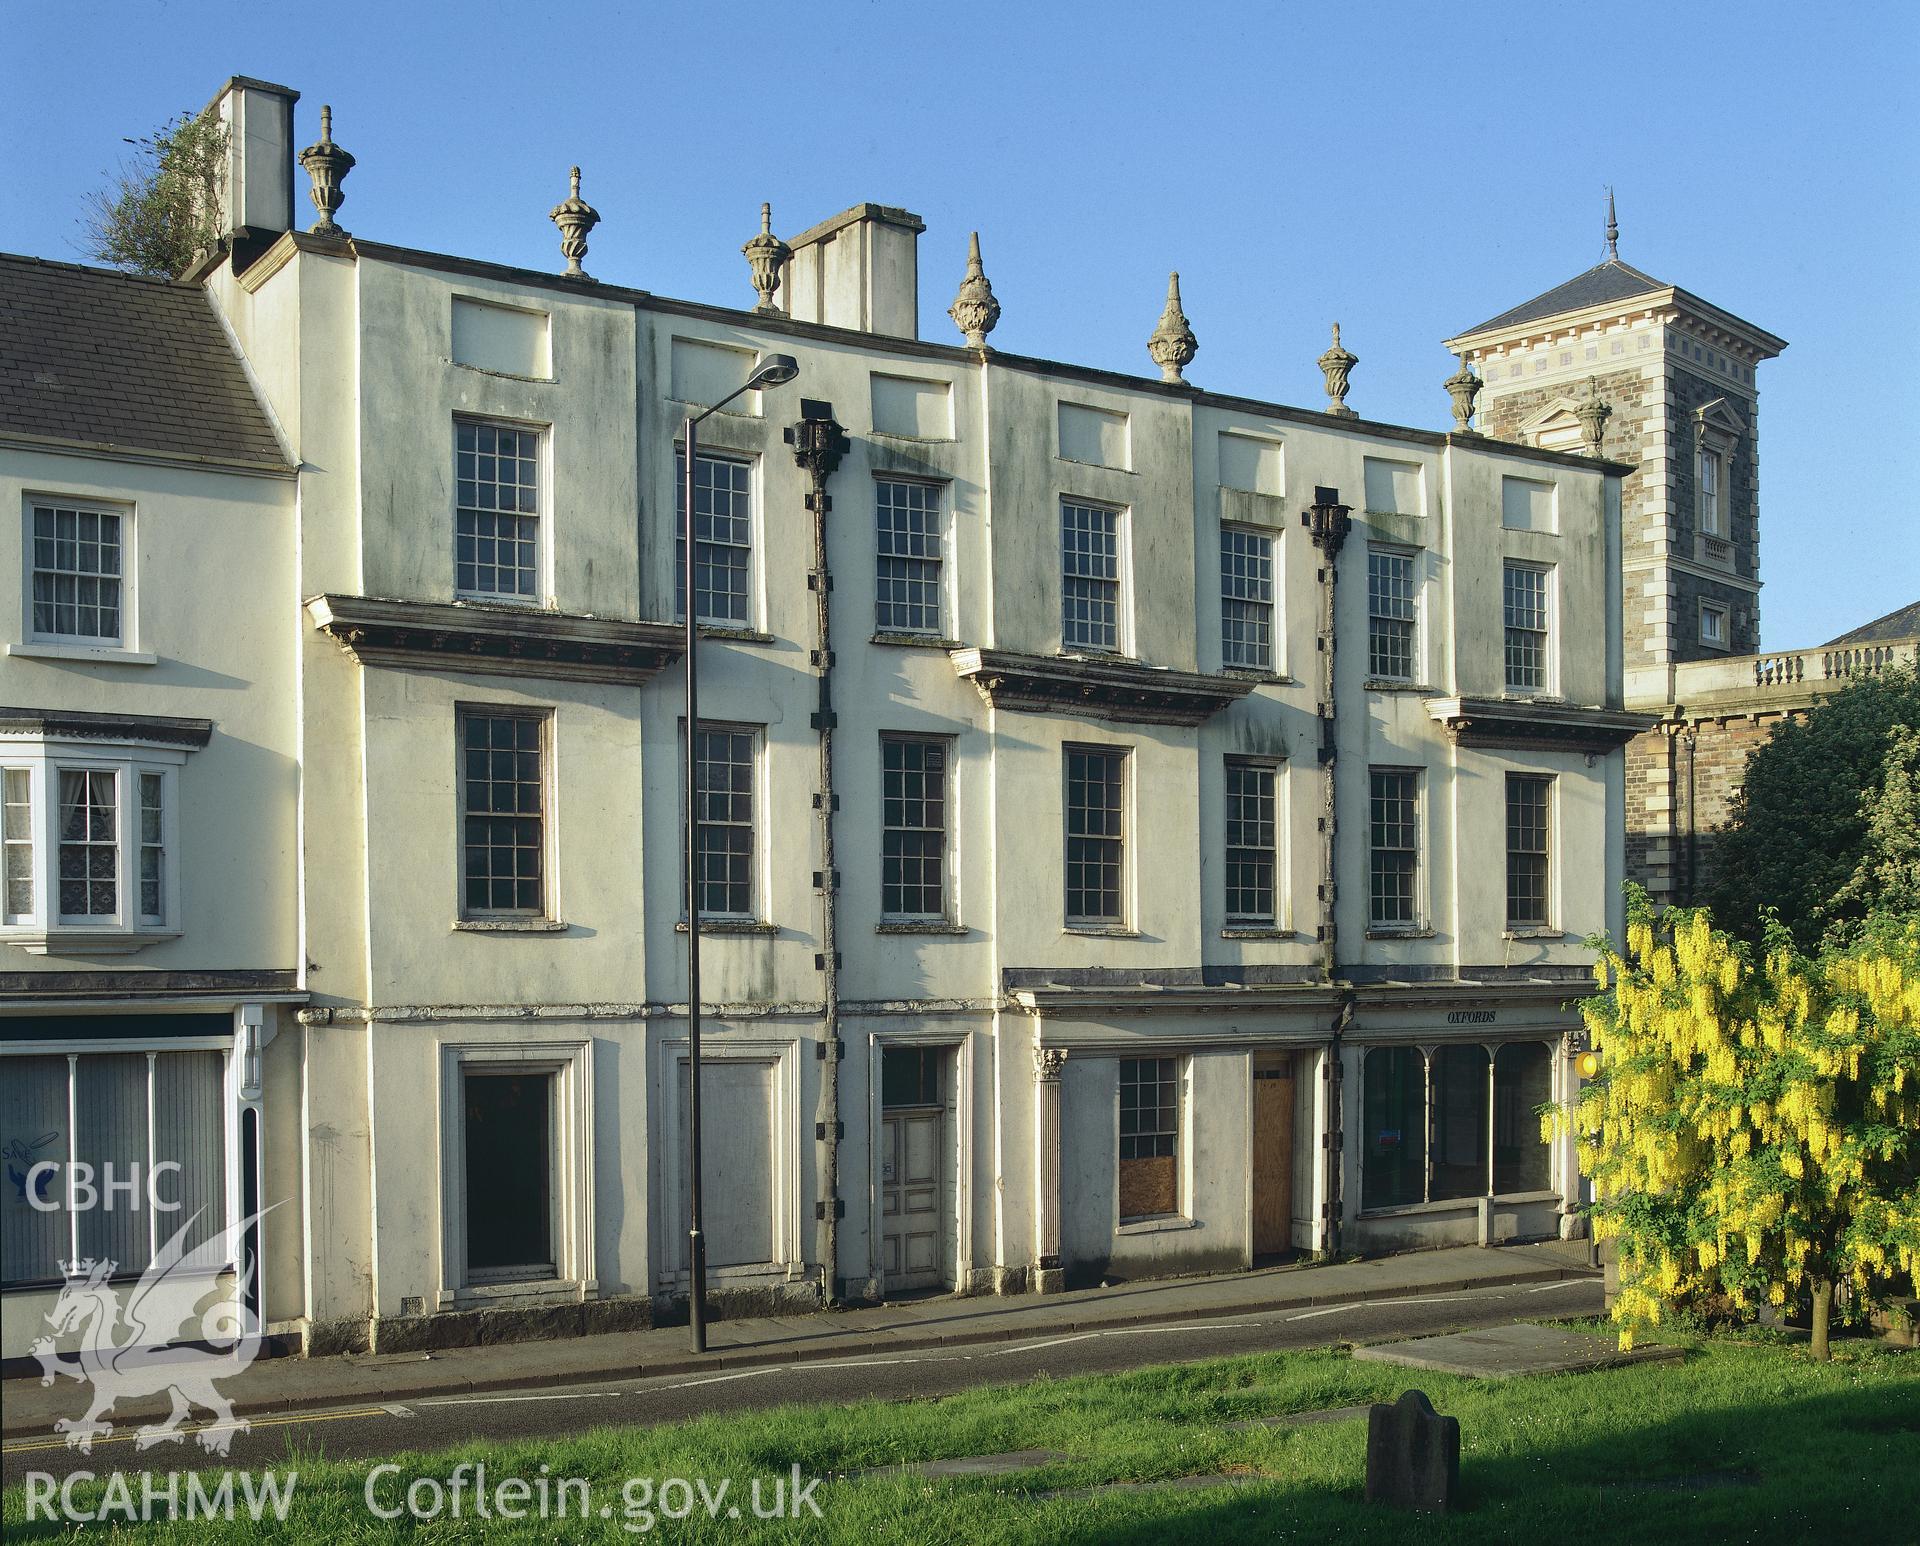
[(161, 210)]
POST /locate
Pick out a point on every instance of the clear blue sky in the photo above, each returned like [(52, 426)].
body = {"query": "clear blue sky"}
[(1408, 169)]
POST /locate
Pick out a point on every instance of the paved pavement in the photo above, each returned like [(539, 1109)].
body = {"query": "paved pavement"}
[(369, 1429), (1501, 1352)]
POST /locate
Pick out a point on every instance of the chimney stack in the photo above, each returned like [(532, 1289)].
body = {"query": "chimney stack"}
[(257, 185), (860, 270)]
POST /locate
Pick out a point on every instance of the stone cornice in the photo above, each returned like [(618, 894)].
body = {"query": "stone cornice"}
[(1121, 690), (1534, 726), (1680, 304), (125, 729), (498, 641)]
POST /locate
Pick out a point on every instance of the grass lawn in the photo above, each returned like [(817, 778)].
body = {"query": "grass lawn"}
[(1828, 1452)]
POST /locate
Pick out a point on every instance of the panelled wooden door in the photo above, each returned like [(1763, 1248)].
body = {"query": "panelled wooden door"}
[(1272, 1153), (913, 1224)]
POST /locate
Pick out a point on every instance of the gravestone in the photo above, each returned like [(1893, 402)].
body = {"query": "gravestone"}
[(1413, 1455)]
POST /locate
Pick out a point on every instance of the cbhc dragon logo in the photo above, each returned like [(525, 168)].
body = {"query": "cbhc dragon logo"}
[(155, 1341)]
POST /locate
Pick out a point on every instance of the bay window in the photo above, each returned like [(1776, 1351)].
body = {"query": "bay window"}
[(89, 829)]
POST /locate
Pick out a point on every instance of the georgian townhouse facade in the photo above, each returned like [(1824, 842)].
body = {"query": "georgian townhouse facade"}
[(1143, 830), (148, 922)]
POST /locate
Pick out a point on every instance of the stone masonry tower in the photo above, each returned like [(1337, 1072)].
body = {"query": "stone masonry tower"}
[(1678, 374)]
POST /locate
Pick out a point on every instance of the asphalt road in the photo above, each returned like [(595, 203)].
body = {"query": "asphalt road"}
[(366, 1431)]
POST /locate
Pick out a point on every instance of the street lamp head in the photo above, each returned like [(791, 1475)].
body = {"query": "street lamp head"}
[(774, 370)]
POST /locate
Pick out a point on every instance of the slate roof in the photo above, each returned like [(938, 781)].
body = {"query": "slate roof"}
[(91, 355), (1901, 624), (1608, 281)]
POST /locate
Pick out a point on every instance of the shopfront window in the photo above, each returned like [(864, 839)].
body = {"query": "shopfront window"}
[(1394, 1113), (1459, 1083), (1522, 1084), (1480, 1111)]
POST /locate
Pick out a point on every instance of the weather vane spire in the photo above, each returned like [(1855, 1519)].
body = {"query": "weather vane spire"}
[(1613, 228)]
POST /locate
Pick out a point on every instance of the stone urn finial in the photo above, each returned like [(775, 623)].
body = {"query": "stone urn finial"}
[(1173, 345), (575, 217), (974, 310), (766, 255), (327, 166), (1338, 364), (1593, 415), (1463, 386)]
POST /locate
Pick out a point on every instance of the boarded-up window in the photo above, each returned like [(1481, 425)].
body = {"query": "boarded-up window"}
[(1250, 463), (1094, 435), (1149, 1136), (920, 410), (1526, 505), (502, 338), (1393, 488), (738, 1100), (702, 374)]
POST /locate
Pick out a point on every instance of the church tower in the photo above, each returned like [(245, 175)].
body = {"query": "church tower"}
[(1679, 375)]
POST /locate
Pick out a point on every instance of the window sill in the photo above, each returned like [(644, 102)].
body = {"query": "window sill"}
[(509, 926), (69, 940), (1257, 931), (99, 654), (501, 375), (1408, 933), (1155, 1224), (1259, 674), (919, 440), (513, 603), (542, 1290), (1535, 934), (1395, 684), (729, 632), (930, 926), (1102, 931), (730, 926), (1521, 695), (916, 641)]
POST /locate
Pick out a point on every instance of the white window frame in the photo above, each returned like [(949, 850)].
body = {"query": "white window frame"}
[(1711, 492), (1416, 669), (1725, 615), (1417, 924), (547, 914), (1123, 569), (756, 535), (542, 515), (944, 743), (757, 886), (45, 930), (571, 1185), (1550, 652), (1277, 920), (1271, 664), (1123, 922), (57, 646), (942, 493)]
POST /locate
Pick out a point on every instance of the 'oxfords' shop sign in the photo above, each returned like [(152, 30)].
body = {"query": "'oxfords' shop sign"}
[(1470, 1017)]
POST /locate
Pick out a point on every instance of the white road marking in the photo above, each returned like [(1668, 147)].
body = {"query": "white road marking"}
[(1542, 1288), (395, 1409), (558, 1395), (1332, 1309), (1034, 1347)]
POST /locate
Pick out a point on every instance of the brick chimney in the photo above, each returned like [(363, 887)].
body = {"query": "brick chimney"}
[(861, 270)]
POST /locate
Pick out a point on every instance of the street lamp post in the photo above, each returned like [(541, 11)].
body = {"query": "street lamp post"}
[(772, 370)]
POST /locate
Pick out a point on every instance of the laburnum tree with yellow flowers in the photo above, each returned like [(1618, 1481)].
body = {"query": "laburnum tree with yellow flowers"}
[(1753, 1127)]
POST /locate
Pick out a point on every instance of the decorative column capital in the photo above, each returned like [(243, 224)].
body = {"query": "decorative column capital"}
[(575, 217), (1593, 415), (766, 255), (1172, 344), (1338, 364), (1047, 1063), (974, 310), (1463, 386), (326, 166)]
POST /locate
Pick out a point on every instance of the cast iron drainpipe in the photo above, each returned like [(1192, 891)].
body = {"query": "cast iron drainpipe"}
[(1329, 521), (818, 444)]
